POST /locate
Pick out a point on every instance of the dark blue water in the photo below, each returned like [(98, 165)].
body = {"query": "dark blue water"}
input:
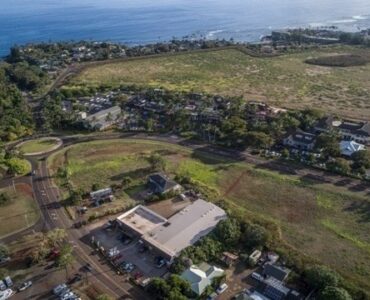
[(143, 21)]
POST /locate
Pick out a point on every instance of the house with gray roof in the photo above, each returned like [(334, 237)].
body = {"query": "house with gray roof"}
[(300, 140), (160, 184), (278, 272), (103, 119)]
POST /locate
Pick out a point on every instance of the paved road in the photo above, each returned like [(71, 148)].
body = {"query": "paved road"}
[(55, 217)]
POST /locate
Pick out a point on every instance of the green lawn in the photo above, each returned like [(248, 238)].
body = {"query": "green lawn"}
[(40, 145), (284, 81), (325, 222), (21, 212)]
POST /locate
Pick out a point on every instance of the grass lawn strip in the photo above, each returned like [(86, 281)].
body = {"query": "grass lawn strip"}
[(22, 211)]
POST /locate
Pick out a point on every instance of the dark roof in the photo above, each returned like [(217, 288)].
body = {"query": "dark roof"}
[(361, 128), (243, 296), (279, 273), (162, 181), (275, 290), (325, 123), (303, 137)]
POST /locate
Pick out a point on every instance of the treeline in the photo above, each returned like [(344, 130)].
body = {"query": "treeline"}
[(15, 116)]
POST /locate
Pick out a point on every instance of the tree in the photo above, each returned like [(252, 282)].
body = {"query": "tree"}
[(254, 235), (75, 197), (177, 283), (159, 288), (4, 199), (340, 165), (361, 159), (259, 139), (4, 251), (334, 293), (329, 143), (66, 258), (17, 166), (126, 181), (233, 130), (228, 231), (104, 297), (55, 237), (157, 162), (95, 187), (320, 277)]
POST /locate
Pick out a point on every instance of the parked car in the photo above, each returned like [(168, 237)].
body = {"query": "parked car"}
[(6, 294), (59, 289), (159, 262), (4, 259), (257, 276), (67, 295), (24, 286), (88, 267), (223, 287), (8, 281), (2, 286), (75, 279)]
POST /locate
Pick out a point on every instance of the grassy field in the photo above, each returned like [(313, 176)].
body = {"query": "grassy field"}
[(21, 212), (325, 222), (40, 145), (283, 81)]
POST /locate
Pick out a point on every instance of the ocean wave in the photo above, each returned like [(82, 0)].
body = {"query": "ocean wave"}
[(344, 21), (360, 17), (212, 33)]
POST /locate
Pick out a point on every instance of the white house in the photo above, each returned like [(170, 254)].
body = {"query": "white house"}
[(347, 148), (201, 276)]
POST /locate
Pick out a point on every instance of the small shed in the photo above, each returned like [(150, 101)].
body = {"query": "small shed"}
[(229, 258)]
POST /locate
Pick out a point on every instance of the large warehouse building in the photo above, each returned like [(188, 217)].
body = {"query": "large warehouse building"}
[(168, 237)]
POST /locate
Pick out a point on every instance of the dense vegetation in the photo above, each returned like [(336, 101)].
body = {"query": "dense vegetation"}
[(15, 116)]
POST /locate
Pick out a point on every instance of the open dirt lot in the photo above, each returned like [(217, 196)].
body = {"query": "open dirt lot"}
[(285, 81)]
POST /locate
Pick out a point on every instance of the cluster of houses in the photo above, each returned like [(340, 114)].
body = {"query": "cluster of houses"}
[(355, 136)]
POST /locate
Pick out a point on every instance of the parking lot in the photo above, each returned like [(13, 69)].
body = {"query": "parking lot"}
[(126, 250)]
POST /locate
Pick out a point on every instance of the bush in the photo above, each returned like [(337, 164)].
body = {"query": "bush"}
[(4, 199), (334, 293), (321, 277)]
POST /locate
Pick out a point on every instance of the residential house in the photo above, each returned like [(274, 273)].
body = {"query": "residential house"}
[(348, 130), (161, 184), (103, 119), (275, 290), (201, 276), (229, 258), (301, 140), (278, 272), (347, 148), (101, 195), (254, 257)]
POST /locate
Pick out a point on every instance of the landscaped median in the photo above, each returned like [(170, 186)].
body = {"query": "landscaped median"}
[(40, 146)]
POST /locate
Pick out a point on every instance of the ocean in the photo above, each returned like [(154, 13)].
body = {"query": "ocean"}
[(146, 21)]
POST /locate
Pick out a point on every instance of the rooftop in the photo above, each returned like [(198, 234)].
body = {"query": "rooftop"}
[(186, 227), (141, 219)]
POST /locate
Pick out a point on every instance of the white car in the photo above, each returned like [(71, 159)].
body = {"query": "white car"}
[(67, 296), (24, 286), (223, 287), (2, 286), (6, 294), (59, 289)]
